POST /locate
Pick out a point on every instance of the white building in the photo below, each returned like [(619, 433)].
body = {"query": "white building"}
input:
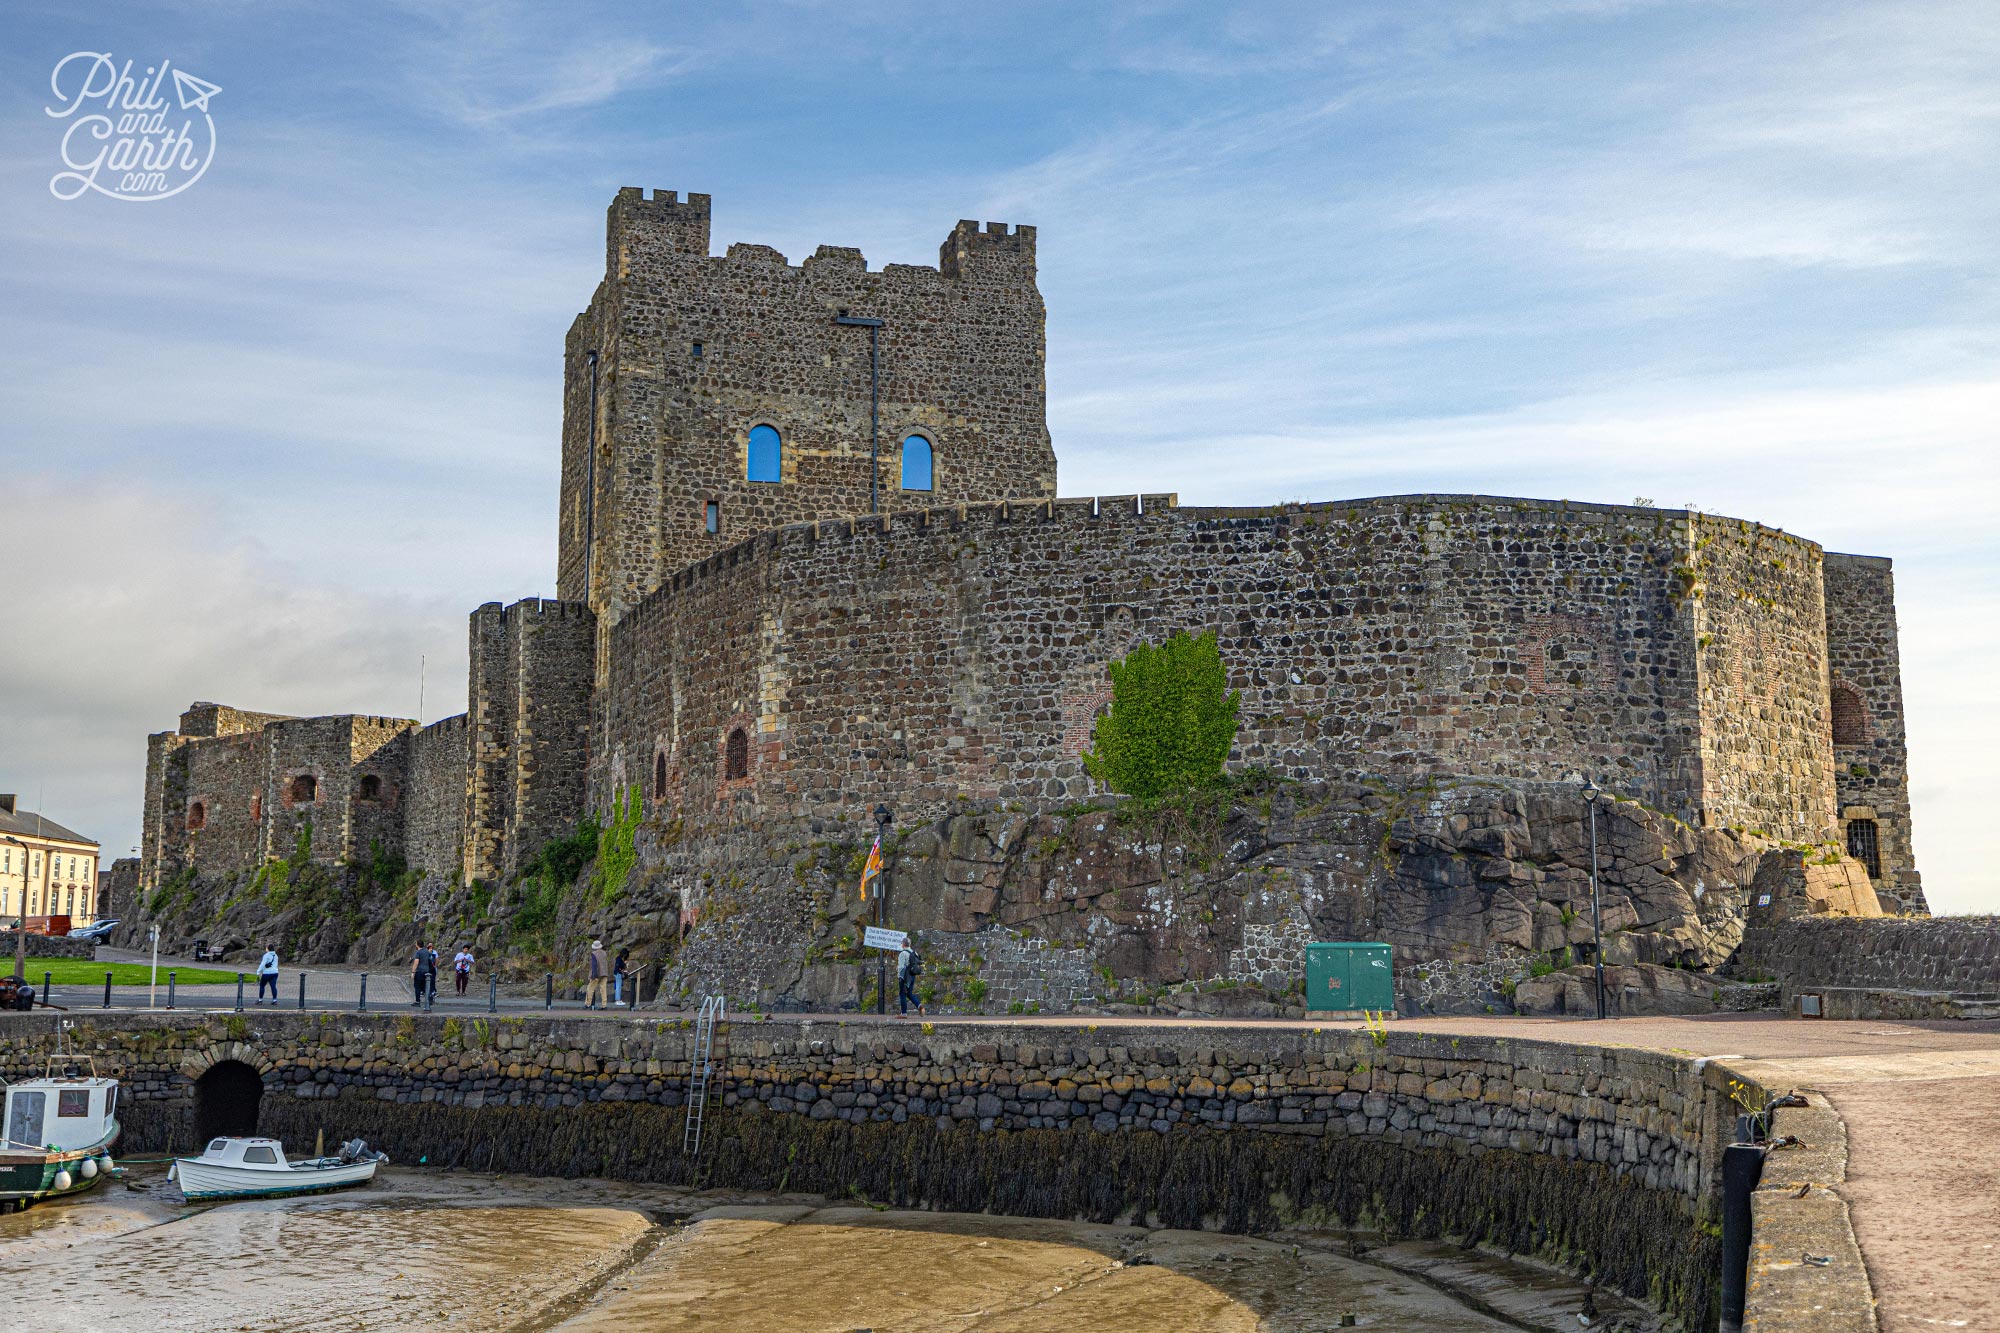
[(45, 869)]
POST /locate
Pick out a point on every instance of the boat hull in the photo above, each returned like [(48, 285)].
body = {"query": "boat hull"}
[(204, 1183), (29, 1177)]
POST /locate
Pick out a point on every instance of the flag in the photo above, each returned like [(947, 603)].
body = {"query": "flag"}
[(872, 868)]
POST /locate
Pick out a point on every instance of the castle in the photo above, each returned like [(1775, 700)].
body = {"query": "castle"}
[(811, 559)]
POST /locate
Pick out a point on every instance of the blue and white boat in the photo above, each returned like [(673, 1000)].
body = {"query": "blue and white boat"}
[(232, 1168)]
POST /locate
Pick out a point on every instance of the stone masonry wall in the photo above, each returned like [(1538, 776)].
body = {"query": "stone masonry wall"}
[(1928, 954), (964, 651), (434, 808), (691, 351), (1870, 757), (1606, 1159), (227, 777), (43, 946), (551, 648), (528, 710), (1759, 613)]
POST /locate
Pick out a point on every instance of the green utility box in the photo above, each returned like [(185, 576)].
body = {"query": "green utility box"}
[(1349, 976)]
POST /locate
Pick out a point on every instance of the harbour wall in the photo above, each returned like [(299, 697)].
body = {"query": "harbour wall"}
[(1952, 954), (1604, 1160)]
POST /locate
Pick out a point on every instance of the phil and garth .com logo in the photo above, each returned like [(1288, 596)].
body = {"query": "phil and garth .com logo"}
[(125, 138)]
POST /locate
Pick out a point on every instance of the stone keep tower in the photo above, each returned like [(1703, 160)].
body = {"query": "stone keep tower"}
[(707, 399)]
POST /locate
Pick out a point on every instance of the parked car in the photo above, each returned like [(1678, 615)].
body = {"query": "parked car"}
[(97, 933)]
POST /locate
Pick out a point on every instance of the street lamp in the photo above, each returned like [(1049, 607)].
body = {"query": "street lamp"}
[(1591, 793), (874, 327)]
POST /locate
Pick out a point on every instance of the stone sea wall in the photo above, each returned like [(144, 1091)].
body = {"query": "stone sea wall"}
[(1888, 953), (44, 946), (1605, 1160)]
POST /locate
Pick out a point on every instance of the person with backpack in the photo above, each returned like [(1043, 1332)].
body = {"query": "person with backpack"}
[(267, 975), (908, 968)]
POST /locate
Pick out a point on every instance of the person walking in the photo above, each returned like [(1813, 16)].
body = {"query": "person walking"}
[(461, 968), (423, 974), (620, 967), (908, 968), (600, 972), (267, 975)]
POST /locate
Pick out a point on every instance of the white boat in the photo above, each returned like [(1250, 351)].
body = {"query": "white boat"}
[(256, 1169), (56, 1131)]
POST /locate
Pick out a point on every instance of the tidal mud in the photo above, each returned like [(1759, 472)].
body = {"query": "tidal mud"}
[(521, 1255)]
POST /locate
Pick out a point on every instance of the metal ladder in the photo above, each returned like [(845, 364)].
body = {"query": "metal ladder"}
[(699, 1067)]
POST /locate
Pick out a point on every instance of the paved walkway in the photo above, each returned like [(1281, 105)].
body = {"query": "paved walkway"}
[(1921, 1103)]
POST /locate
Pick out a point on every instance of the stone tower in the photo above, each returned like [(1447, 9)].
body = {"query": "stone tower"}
[(709, 398)]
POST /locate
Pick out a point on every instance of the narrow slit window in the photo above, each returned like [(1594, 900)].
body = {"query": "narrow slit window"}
[(711, 517), (916, 463), (659, 777), (736, 755), (766, 454)]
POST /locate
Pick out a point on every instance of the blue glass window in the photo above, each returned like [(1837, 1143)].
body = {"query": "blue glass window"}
[(766, 454), (916, 463)]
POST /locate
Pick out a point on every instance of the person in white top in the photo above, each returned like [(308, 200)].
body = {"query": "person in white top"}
[(461, 968), (267, 975)]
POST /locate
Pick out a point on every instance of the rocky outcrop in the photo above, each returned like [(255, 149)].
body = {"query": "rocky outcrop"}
[(1792, 882), (1206, 907)]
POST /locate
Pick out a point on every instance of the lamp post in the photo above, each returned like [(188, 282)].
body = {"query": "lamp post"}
[(1591, 793), (883, 819), (874, 327)]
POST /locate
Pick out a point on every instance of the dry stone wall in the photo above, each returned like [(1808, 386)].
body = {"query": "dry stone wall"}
[(1605, 1159)]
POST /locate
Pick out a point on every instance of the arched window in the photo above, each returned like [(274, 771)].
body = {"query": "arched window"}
[(305, 789), (371, 788), (1864, 845), (197, 817), (1850, 716), (660, 776), (256, 806), (736, 755), (766, 454), (916, 463)]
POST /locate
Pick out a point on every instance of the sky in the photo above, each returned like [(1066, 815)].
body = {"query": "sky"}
[(267, 441)]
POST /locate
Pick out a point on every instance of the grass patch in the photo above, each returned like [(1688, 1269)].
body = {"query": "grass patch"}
[(83, 972)]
